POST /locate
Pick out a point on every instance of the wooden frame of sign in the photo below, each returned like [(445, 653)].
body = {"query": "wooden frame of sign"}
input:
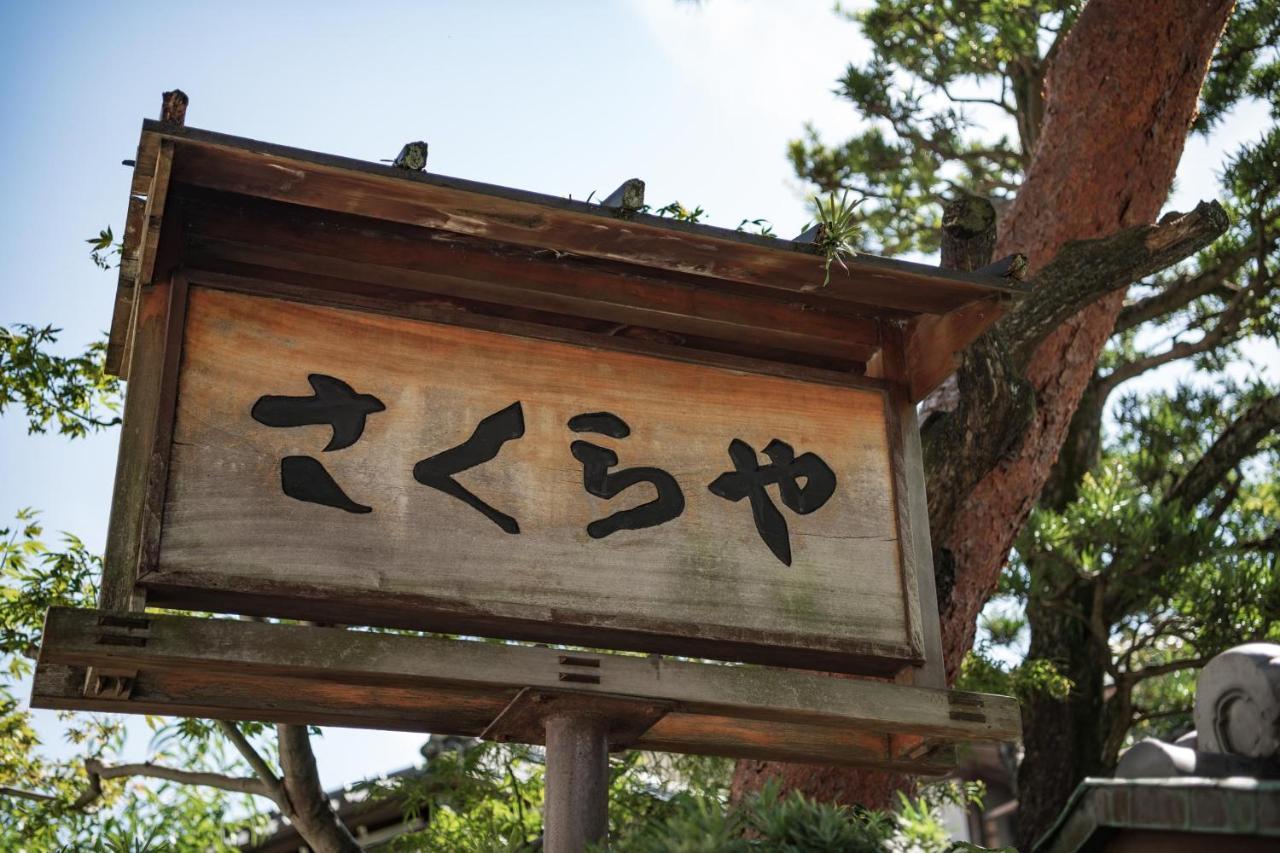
[(366, 396)]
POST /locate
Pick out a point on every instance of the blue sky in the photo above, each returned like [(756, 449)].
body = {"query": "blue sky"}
[(558, 97)]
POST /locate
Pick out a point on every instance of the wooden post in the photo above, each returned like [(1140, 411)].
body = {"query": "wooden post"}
[(576, 810), (578, 730)]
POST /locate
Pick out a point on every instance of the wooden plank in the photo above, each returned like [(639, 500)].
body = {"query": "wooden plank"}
[(157, 196), (137, 498), (142, 256), (444, 710), (316, 290), (145, 160), (260, 653), (279, 699), (525, 719), (912, 508), (934, 342), (122, 311), (707, 576), (776, 741), (331, 183), (360, 251)]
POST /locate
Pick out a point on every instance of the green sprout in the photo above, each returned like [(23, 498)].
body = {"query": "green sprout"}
[(839, 231)]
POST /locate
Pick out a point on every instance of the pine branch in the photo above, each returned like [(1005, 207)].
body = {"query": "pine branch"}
[(1156, 670), (1237, 442), (1225, 329), (1085, 270), (6, 791), (1185, 290), (1148, 716)]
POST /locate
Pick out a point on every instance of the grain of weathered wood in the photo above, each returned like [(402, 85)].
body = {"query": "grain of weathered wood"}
[(780, 741), (294, 673), (140, 241), (279, 699), (255, 173), (144, 442), (363, 251), (318, 290), (299, 177), (439, 709), (912, 509), (153, 216), (706, 576), (127, 275), (934, 342), (334, 655)]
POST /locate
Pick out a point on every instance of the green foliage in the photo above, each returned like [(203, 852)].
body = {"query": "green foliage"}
[(939, 76), (839, 230), (981, 672), (1246, 64), (104, 248), (46, 812), (792, 823), (1174, 582), (486, 799), (72, 393), (677, 211), (34, 578), (756, 226)]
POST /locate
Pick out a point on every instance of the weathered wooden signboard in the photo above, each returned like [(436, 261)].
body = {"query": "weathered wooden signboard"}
[(459, 479), (365, 396)]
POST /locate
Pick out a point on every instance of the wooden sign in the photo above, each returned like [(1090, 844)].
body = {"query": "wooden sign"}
[(365, 396), (467, 480)]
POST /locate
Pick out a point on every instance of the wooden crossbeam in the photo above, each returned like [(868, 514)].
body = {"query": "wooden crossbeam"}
[(233, 669)]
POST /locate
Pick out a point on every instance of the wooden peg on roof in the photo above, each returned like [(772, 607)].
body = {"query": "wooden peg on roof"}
[(173, 107), (1013, 267), (627, 199), (413, 157), (809, 235)]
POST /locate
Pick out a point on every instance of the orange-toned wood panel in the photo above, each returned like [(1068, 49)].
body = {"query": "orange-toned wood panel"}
[(706, 575)]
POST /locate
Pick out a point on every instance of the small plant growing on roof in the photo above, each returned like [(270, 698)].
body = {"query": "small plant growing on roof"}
[(839, 230)]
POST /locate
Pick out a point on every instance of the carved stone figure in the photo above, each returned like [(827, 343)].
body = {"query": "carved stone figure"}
[(1237, 717)]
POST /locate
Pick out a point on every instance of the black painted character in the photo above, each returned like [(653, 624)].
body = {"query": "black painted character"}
[(596, 462), (334, 403), (750, 478), (483, 445)]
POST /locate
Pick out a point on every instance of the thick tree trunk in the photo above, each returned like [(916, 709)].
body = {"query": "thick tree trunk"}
[(1121, 97), (1062, 738), (1119, 101)]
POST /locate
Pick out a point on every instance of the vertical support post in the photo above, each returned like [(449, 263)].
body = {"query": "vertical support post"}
[(576, 810)]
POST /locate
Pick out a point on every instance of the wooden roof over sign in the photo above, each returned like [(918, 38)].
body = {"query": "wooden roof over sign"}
[(242, 207)]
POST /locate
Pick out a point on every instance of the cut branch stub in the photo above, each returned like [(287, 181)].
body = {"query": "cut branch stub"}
[(968, 233), (627, 199), (173, 107)]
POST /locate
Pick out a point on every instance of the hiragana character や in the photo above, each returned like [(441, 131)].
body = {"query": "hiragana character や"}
[(749, 479)]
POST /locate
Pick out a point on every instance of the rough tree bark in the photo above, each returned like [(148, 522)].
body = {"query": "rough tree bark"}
[(1121, 97), (1119, 101)]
